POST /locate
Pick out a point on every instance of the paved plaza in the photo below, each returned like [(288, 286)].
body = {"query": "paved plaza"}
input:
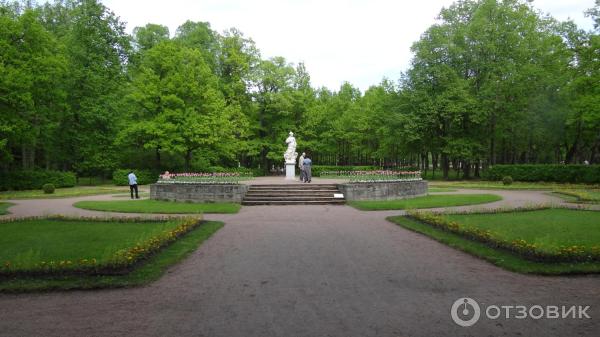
[(306, 271)]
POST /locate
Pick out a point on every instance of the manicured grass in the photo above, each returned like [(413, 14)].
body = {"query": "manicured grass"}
[(158, 206), (440, 189), (66, 192), (429, 201), (548, 229), (497, 257), (4, 207), (497, 185), (581, 196), (28, 242), (150, 271)]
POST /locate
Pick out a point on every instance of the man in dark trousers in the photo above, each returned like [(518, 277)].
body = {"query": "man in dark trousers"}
[(133, 184), (307, 169)]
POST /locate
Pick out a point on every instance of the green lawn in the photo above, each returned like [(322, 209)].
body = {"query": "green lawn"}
[(498, 257), (158, 206), (27, 242), (582, 196), (429, 201), (66, 192), (150, 271), (548, 229), (4, 207), (497, 185)]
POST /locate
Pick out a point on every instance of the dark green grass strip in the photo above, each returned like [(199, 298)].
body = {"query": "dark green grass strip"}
[(158, 206), (4, 207), (497, 257), (429, 201), (152, 270)]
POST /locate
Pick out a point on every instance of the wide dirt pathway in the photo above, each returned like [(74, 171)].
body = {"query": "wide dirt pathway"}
[(309, 271)]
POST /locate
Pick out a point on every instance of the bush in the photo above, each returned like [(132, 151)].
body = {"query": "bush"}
[(589, 174), (48, 188), (317, 169), (243, 171), (144, 177), (35, 179), (507, 180)]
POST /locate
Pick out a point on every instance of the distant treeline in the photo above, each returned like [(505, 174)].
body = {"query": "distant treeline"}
[(491, 82)]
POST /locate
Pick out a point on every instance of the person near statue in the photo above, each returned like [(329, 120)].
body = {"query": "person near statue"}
[(307, 164), (301, 167)]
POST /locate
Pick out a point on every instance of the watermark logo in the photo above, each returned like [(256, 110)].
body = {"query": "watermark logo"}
[(465, 311)]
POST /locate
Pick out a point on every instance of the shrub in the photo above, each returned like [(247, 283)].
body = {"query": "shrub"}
[(35, 179), (589, 174), (48, 188), (507, 180), (317, 169), (144, 177)]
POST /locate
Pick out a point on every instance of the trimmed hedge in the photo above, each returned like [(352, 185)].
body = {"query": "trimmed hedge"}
[(589, 174), (144, 177), (317, 169), (35, 179)]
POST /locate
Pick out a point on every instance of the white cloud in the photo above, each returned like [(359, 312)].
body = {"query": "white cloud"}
[(359, 41)]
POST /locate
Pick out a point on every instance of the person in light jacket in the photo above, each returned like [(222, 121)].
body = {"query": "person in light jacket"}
[(133, 184), (301, 167), (307, 169)]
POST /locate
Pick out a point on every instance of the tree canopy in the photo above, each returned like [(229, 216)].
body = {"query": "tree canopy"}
[(492, 81)]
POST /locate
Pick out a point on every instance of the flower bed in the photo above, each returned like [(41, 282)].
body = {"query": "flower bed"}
[(528, 250), (374, 175), (203, 178), (120, 262)]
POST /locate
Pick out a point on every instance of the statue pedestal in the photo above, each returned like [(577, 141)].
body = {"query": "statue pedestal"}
[(290, 171)]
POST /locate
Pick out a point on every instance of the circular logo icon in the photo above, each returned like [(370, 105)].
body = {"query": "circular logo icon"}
[(465, 311)]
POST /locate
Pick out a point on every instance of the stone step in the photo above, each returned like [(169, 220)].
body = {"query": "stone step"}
[(292, 194), (291, 198), (291, 191), (289, 195), (294, 186), (289, 202)]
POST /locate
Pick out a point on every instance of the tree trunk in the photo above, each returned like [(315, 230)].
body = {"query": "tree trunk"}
[(445, 166)]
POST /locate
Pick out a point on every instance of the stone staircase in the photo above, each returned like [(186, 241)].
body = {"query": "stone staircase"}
[(292, 194)]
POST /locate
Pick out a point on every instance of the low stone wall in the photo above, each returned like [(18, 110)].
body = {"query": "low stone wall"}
[(198, 192), (383, 190)]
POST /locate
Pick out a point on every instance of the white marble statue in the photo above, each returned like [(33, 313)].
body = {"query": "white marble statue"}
[(290, 154)]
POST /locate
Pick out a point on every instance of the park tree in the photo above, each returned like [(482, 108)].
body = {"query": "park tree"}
[(178, 107), (31, 95)]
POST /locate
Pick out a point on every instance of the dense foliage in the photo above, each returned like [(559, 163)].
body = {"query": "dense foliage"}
[(491, 82), (589, 174), (35, 179)]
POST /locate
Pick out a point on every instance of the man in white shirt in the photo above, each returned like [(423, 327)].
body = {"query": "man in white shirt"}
[(133, 184)]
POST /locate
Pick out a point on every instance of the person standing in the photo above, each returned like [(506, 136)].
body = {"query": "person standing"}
[(301, 167), (133, 184), (307, 169)]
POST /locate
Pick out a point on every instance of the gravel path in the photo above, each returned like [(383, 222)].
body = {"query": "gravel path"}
[(307, 271)]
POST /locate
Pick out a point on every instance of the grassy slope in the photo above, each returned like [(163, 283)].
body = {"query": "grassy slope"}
[(32, 241), (64, 192), (152, 270), (548, 229), (429, 201), (158, 206), (500, 258)]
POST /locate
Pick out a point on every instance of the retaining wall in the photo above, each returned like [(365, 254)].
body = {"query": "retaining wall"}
[(383, 190), (198, 192)]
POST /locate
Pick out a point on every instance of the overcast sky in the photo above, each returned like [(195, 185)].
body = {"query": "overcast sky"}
[(359, 41)]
